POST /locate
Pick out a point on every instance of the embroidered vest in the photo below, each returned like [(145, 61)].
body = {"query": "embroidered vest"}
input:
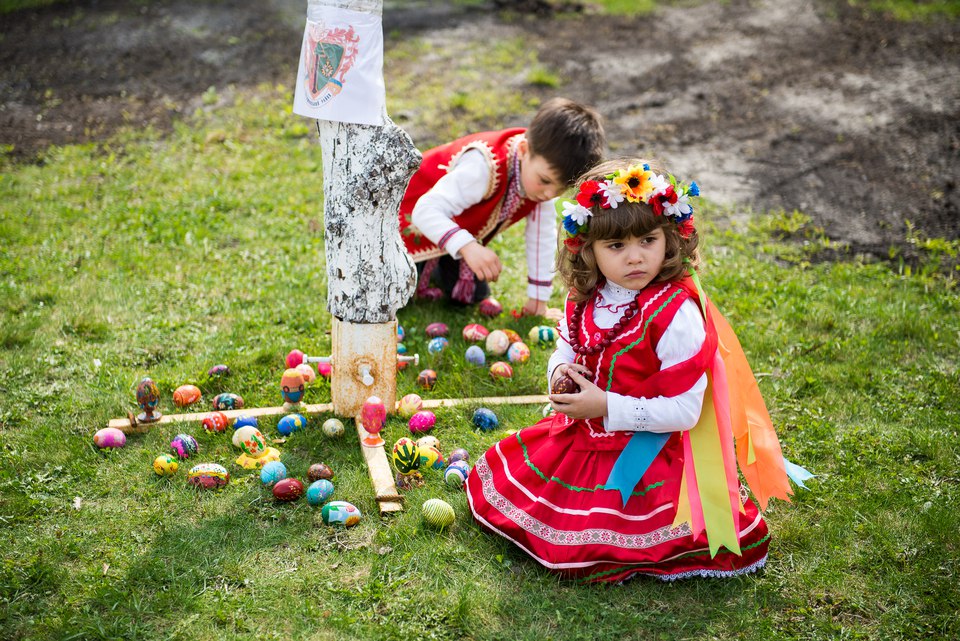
[(630, 363), (482, 219)]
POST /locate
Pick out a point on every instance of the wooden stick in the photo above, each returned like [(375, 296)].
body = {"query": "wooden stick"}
[(381, 476)]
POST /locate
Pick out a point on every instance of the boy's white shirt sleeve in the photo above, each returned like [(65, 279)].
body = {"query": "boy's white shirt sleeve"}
[(541, 241), (463, 186), (563, 353), (682, 339)]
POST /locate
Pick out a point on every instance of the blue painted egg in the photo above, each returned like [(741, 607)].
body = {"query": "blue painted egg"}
[(340, 513), (400, 333), (273, 472), (319, 492), (227, 401), (437, 345), (457, 473), (291, 423), (476, 356), (485, 419), (401, 348), (245, 421)]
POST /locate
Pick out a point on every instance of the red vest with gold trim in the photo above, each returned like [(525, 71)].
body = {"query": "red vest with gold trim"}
[(482, 219)]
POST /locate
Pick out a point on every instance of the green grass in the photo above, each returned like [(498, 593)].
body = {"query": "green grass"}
[(162, 255)]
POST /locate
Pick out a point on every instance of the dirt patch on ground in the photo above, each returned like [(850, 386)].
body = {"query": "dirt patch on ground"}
[(850, 118)]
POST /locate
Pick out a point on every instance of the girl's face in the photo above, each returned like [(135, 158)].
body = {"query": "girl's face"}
[(538, 178), (631, 262)]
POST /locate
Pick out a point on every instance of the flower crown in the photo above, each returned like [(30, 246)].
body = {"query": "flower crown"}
[(637, 184)]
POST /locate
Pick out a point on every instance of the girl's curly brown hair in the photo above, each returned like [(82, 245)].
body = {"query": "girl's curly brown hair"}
[(579, 271)]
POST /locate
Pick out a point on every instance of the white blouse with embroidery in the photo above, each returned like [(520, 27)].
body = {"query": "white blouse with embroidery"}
[(463, 186), (682, 339)]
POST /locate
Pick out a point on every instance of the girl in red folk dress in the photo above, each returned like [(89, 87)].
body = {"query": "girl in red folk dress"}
[(636, 472)]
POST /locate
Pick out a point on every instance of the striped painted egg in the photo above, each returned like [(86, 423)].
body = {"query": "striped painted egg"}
[(340, 513), (290, 424), (475, 333), (497, 342), (292, 386), (186, 395), (287, 490), (319, 492), (438, 513), (216, 423), (423, 421), (501, 369), (208, 476), (459, 454), (543, 335), (456, 474), (109, 438), (406, 455), (518, 352), (410, 405), (184, 445), (434, 330), (227, 401)]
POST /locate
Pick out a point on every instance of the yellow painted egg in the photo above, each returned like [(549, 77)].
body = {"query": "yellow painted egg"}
[(165, 465), (406, 456), (438, 513), (410, 405)]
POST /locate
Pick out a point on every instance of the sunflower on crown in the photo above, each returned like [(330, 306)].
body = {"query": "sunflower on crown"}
[(637, 184)]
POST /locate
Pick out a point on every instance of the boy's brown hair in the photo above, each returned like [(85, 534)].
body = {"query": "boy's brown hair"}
[(568, 135), (579, 271)]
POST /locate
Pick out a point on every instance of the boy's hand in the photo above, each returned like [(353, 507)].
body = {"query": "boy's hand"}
[(534, 307), (483, 262), (589, 402)]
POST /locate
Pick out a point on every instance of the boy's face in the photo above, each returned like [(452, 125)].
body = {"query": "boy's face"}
[(539, 180)]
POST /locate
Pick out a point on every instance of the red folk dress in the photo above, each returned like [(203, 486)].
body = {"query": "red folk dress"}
[(545, 487)]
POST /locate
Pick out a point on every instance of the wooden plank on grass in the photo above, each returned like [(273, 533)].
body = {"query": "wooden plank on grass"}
[(381, 475)]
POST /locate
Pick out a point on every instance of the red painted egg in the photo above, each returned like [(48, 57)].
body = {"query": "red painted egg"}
[(373, 414), (423, 421), (215, 423), (287, 490), (427, 379), (475, 333), (437, 329), (501, 370), (490, 307)]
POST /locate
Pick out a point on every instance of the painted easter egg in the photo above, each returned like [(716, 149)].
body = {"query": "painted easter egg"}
[(294, 358), (319, 471), (456, 473), (565, 385), (431, 458), (485, 419), (227, 401), (400, 333), (475, 356), (148, 395), (406, 455), (324, 369), (410, 405), (428, 441), (272, 473), (543, 335), (332, 428), (319, 492), (497, 342), (218, 370), (306, 370), (512, 336), (490, 307), (475, 332), (340, 513), (165, 465), (437, 345), (518, 352), (290, 424), (184, 445), (109, 437), (458, 454), (401, 348), (291, 386), (215, 423), (438, 513), (427, 379), (373, 415), (208, 476), (501, 369), (186, 395), (436, 329), (287, 490), (245, 420), (422, 421), (250, 441)]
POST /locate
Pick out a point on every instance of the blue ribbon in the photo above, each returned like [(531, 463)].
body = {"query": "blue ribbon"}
[(796, 473), (634, 461)]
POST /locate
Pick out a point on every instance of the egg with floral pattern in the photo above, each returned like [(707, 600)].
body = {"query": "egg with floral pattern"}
[(216, 423), (227, 401), (340, 513)]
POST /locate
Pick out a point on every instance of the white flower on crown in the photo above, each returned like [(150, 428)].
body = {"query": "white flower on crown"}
[(681, 207), (658, 185), (612, 193), (577, 212)]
